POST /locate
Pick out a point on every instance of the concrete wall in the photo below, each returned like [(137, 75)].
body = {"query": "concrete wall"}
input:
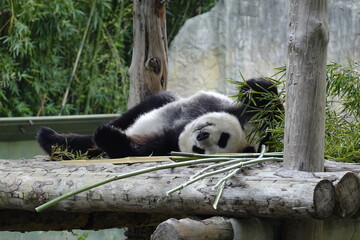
[(249, 36)]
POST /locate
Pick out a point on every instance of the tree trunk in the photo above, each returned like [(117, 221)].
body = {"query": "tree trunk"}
[(308, 38), (148, 70), (305, 86)]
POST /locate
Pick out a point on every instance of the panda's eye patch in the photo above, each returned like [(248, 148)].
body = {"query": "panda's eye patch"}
[(223, 139), (196, 149)]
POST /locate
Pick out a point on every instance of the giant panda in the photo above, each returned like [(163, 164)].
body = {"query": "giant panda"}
[(204, 123)]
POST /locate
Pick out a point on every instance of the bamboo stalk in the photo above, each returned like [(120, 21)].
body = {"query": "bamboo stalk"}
[(241, 164), (181, 155), (126, 175), (217, 158), (223, 181)]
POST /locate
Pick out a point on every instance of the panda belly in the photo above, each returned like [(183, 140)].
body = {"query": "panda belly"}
[(158, 120), (177, 114), (148, 124)]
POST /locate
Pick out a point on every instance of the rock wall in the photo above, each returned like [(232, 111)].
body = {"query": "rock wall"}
[(249, 37)]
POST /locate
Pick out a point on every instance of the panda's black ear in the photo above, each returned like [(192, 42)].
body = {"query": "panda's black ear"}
[(223, 140)]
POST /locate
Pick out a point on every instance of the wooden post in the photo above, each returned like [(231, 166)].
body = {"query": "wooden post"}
[(148, 70), (308, 38), (305, 86)]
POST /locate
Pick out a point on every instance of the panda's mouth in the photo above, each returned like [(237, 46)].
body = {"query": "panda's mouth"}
[(196, 149)]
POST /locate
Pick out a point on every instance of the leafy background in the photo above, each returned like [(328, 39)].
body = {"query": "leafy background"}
[(80, 50), (42, 39), (342, 122)]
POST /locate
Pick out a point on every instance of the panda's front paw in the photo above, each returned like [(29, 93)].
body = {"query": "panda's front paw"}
[(112, 141)]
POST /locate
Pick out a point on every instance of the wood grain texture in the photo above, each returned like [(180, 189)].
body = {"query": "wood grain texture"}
[(308, 37), (211, 229), (25, 185), (148, 69)]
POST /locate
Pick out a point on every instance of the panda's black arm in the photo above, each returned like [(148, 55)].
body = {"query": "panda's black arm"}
[(150, 103)]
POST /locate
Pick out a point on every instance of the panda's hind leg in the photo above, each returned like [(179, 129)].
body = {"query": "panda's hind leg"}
[(75, 143), (115, 143), (153, 102)]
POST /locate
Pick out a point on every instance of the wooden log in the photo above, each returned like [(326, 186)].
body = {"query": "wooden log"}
[(20, 221), (350, 198), (218, 228), (334, 228), (25, 185), (148, 69), (331, 166), (347, 191), (347, 185), (215, 228)]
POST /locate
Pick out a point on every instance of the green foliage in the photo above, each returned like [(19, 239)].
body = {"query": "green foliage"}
[(71, 56), (268, 119), (342, 140), (82, 236), (60, 153), (342, 126), (39, 44)]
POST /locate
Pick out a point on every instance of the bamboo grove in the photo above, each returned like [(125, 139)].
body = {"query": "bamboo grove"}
[(66, 57)]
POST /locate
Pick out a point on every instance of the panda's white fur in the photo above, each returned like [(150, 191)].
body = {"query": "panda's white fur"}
[(157, 120), (180, 112), (206, 122), (214, 124)]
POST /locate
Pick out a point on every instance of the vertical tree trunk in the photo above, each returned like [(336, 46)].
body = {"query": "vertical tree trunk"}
[(308, 38), (305, 85), (148, 70)]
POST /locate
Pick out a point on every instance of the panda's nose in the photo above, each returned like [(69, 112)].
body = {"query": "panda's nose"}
[(202, 136)]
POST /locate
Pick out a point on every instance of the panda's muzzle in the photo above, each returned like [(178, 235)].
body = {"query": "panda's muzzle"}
[(202, 136)]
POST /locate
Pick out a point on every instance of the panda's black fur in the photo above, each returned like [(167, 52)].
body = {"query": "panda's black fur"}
[(204, 123)]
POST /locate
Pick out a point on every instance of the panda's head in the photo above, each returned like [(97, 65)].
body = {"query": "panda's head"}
[(216, 132)]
